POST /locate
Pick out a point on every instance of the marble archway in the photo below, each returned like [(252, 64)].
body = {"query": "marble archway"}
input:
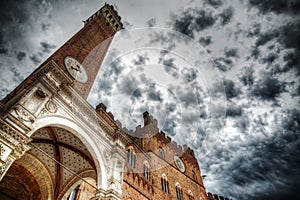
[(92, 148), (64, 156)]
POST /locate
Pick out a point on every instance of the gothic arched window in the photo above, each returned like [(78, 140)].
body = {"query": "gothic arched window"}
[(161, 153), (74, 194), (164, 183), (146, 170), (178, 191), (131, 156), (191, 196)]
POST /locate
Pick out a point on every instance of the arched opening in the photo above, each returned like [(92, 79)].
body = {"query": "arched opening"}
[(190, 194), (161, 153), (40, 174), (178, 191), (65, 156), (80, 190), (146, 170), (84, 136), (164, 183), (19, 183), (57, 163), (131, 157)]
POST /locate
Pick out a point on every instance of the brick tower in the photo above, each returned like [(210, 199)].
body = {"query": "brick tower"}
[(82, 55)]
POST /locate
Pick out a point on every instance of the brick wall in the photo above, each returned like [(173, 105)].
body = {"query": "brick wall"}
[(147, 149)]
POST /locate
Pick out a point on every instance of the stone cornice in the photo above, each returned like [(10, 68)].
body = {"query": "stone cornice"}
[(12, 136)]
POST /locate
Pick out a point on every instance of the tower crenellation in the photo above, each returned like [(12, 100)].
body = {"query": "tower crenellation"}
[(111, 16), (215, 197)]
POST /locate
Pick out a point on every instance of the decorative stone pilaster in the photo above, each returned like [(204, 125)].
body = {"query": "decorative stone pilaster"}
[(17, 118), (115, 168), (115, 159), (13, 144)]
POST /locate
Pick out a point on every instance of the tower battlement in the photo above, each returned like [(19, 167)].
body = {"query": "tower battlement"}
[(215, 197), (149, 138), (112, 17)]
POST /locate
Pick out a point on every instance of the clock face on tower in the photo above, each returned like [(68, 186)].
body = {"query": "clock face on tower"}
[(75, 69), (179, 164)]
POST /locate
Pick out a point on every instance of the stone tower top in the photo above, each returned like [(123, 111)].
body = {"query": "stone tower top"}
[(111, 15), (147, 118)]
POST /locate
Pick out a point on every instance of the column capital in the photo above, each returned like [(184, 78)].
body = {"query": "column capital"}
[(101, 194)]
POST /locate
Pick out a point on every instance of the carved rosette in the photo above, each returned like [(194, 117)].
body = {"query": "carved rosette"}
[(50, 107)]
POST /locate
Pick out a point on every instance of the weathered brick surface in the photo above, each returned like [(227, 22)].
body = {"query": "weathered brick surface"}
[(19, 183), (89, 47), (147, 149)]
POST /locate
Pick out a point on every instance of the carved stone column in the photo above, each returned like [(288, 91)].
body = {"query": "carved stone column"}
[(117, 166), (116, 158), (13, 145)]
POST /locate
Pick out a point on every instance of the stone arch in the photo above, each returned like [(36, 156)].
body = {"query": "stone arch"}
[(19, 183), (40, 173), (87, 139), (87, 176)]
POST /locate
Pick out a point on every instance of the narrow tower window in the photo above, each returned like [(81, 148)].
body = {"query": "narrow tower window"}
[(191, 196), (164, 183), (74, 193), (161, 153), (131, 156), (146, 170), (178, 191)]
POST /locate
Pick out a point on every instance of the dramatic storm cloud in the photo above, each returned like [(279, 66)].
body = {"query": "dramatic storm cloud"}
[(219, 75)]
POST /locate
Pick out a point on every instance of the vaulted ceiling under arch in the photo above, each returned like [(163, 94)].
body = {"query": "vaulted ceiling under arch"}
[(63, 154)]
